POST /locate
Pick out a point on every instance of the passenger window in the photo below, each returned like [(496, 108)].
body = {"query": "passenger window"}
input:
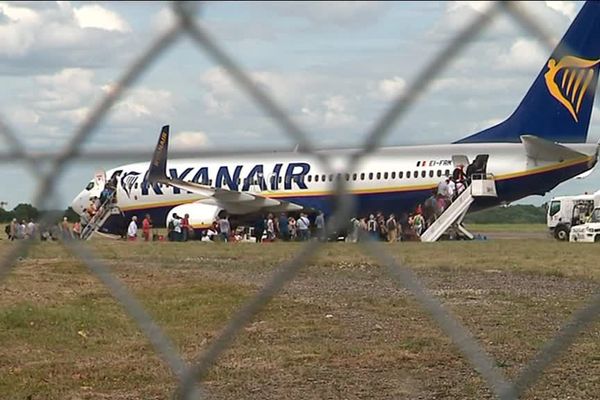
[(385, 175), (431, 173), (439, 173), (362, 176), (416, 174), (554, 207), (316, 178), (310, 178), (400, 175), (447, 172), (347, 177), (408, 174), (370, 176), (394, 175), (323, 178), (378, 175), (423, 174), (331, 178), (354, 176)]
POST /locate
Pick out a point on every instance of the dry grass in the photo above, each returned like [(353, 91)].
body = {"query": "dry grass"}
[(342, 329)]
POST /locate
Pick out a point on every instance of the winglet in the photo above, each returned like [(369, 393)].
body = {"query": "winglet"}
[(157, 172)]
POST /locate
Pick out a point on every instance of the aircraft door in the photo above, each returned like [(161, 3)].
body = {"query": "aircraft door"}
[(479, 166)]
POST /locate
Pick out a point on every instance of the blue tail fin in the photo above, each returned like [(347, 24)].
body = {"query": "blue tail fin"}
[(558, 105)]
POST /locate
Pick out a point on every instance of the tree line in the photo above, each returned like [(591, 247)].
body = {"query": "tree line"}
[(28, 212)]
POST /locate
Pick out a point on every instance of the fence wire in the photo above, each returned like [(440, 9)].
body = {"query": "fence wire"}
[(190, 375)]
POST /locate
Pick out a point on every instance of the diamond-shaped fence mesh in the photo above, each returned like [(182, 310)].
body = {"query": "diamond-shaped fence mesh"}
[(191, 375)]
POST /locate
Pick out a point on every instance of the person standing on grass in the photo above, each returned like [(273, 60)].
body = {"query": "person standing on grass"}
[(224, 228), (185, 227), (132, 229), (259, 228), (147, 228)]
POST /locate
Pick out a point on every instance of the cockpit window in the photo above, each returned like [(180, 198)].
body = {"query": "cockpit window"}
[(90, 186)]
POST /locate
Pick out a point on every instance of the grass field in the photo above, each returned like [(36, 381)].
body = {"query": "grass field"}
[(341, 329)]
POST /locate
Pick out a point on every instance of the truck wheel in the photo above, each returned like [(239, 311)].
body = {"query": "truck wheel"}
[(561, 233)]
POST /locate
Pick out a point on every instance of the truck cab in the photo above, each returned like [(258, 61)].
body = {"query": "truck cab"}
[(589, 231), (565, 212)]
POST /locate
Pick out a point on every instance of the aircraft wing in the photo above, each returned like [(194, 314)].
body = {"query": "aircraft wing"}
[(244, 200), (542, 149)]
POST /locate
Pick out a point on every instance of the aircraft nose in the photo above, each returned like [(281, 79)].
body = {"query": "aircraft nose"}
[(78, 203)]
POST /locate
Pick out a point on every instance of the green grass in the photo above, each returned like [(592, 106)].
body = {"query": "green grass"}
[(341, 329)]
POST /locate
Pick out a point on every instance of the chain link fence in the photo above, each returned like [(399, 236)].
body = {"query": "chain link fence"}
[(190, 375)]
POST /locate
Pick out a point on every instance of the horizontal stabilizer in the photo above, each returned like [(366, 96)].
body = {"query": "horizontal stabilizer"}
[(544, 150)]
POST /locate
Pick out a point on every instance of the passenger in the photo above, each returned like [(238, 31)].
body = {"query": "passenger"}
[(92, 209), (320, 226), (430, 209), (418, 223), (66, 229), (372, 227), (381, 227), (185, 227), (441, 205), (451, 191), (13, 229), (147, 228), (303, 225), (177, 236), (76, 229), (284, 231), (31, 231), (132, 229), (259, 228), (270, 228), (404, 226), (352, 236), (84, 219), (392, 229), (293, 228), (224, 228), (363, 228)]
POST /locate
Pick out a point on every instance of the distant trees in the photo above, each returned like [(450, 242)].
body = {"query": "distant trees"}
[(517, 214), (26, 212)]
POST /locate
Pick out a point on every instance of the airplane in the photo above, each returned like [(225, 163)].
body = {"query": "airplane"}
[(541, 144)]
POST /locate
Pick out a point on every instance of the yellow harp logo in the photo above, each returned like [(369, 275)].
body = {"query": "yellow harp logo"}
[(577, 73)]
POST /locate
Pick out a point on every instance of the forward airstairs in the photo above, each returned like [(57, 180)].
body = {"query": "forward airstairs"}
[(107, 209), (482, 185)]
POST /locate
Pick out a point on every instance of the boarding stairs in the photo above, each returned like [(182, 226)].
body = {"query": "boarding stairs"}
[(107, 209), (482, 185)]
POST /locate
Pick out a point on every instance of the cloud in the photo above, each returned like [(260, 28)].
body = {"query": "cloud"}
[(57, 35), (347, 15), (524, 54), (96, 16), (388, 89), (567, 8), (188, 140)]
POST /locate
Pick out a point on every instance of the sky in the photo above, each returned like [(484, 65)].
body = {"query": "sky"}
[(334, 67)]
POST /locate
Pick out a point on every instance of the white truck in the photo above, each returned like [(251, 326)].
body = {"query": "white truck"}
[(588, 232), (566, 212)]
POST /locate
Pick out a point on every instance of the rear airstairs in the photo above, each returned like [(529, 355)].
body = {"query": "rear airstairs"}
[(107, 209), (451, 218)]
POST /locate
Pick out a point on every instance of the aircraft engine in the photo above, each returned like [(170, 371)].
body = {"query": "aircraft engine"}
[(201, 215)]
